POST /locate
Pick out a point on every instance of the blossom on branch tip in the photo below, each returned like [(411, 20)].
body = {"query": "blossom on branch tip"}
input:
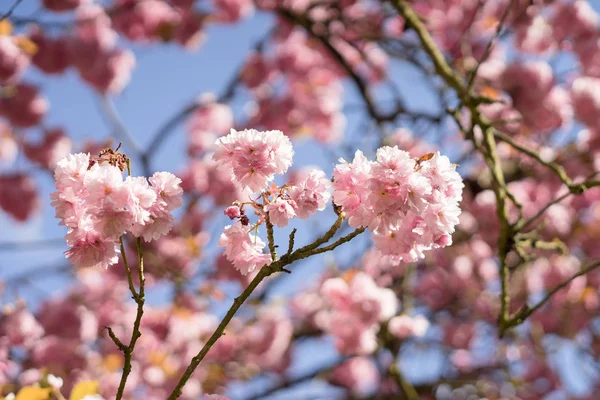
[(411, 205), (243, 249), (99, 206), (312, 194), (253, 158), (281, 211)]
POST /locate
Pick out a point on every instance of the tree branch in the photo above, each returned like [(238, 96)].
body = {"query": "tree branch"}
[(139, 298), (291, 382), (265, 271), (526, 311), (489, 144), (270, 238), (11, 10)]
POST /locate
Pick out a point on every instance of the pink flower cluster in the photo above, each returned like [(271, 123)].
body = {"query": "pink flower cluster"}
[(254, 157), (242, 248), (309, 196), (98, 206), (353, 310), (13, 60), (410, 205)]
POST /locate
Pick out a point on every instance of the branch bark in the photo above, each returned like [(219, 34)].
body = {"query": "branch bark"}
[(266, 271)]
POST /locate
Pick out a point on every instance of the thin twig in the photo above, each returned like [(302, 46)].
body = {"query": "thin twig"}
[(136, 333), (293, 381), (505, 238), (11, 10), (407, 387), (265, 271), (270, 238), (526, 311), (490, 44)]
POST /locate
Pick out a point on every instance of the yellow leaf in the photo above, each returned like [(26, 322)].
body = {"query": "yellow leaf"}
[(5, 27), (113, 362), (27, 45), (83, 389), (33, 393)]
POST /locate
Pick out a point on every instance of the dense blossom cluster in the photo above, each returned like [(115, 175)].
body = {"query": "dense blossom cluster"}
[(253, 159), (411, 205), (323, 69), (353, 310), (98, 206)]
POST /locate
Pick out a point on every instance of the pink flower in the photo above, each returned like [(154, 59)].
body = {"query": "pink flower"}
[(242, 249), (189, 30), (21, 328), (358, 374), (233, 10), (356, 308), (90, 249), (24, 107), (92, 37), (13, 60), (70, 171), (410, 205), (575, 19), (141, 197), (52, 55), (254, 157), (281, 211), (168, 189), (232, 212), (145, 20), (158, 225), (215, 397), (311, 194), (8, 146), (103, 183), (210, 121), (349, 182), (404, 326), (54, 146), (62, 5), (18, 196), (585, 94), (536, 37), (111, 71), (257, 70)]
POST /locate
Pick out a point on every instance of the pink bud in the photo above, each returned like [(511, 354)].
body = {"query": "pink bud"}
[(232, 212)]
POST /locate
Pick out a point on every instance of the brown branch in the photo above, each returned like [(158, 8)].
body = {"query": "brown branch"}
[(139, 298), (490, 44), (505, 238), (270, 238), (358, 81), (404, 385), (291, 382), (11, 10), (526, 311), (266, 271)]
